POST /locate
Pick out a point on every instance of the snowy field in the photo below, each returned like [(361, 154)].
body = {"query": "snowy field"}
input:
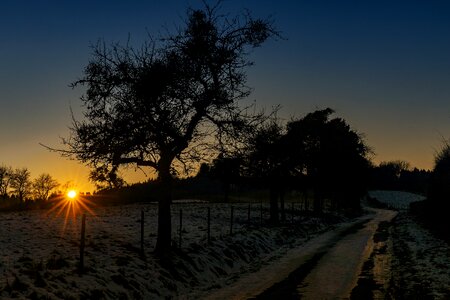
[(396, 199), (421, 262), (39, 251)]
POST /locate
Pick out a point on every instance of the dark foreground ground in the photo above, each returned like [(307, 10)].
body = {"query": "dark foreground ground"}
[(407, 262), (39, 255)]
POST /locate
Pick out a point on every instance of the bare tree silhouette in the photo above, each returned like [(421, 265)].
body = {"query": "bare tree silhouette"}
[(5, 180), (43, 185), (165, 104), (21, 183)]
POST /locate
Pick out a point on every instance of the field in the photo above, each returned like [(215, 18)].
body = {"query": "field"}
[(40, 250), (39, 253)]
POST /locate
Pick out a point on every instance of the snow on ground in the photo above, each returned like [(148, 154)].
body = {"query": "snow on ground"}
[(396, 199), (39, 251), (421, 262)]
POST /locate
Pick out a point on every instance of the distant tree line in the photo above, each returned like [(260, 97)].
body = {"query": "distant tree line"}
[(398, 175), (17, 187)]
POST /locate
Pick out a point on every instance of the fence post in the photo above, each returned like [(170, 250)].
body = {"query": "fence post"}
[(82, 242), (181, 226), (209, 225), (142, 232), (231, 221)]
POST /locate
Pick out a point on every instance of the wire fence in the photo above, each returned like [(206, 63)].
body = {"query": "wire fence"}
[(104, 234)]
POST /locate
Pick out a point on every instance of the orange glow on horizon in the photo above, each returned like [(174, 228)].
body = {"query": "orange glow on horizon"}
[(70, 205)]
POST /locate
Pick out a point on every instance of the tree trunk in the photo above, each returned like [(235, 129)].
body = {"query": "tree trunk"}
[(164, 238)]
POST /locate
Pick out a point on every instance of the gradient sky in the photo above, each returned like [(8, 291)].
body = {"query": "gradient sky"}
[(384, 66)]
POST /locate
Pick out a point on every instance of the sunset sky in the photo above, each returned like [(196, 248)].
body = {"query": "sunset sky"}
[(384, 66)]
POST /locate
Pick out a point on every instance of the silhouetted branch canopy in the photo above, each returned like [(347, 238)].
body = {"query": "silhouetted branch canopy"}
[(171, 99)]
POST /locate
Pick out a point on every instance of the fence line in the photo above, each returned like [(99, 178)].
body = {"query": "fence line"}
[(204, 227), (133, 228)]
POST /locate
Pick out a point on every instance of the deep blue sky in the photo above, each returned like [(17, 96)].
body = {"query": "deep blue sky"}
[(382, 65)]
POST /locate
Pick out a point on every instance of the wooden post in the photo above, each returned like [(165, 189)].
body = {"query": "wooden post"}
[(231, 221), (142, 232), (248, 215), (209, 225), (181, 226), (82, 242)]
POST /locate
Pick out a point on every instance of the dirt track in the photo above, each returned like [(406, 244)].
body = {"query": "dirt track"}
[(336, 274), (326, 267)]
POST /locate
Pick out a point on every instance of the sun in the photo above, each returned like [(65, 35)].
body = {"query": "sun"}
[(69, 205), (71, 194)]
